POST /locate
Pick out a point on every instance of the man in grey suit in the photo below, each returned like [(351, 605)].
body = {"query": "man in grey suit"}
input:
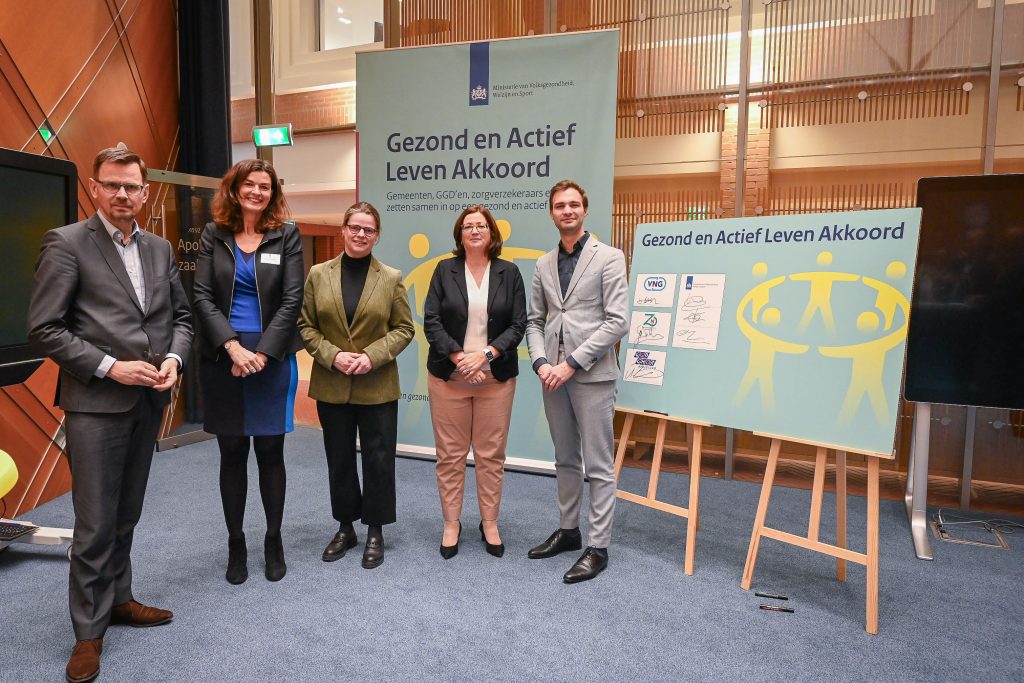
[(108, 307), (577, 314)]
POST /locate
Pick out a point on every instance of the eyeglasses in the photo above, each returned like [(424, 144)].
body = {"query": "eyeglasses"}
[(356, 229), (466, 227), (110, 187)]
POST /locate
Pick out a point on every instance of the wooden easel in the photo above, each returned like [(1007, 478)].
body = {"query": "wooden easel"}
[(692, 514), (811, 542)]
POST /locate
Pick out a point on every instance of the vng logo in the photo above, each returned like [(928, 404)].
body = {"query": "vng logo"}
[(654, 284)]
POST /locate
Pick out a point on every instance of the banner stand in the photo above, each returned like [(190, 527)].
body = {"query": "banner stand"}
[(692, 513), (869, 559)]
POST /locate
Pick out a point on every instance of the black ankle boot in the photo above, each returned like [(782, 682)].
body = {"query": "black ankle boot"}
[(274, 556), (237, 557)]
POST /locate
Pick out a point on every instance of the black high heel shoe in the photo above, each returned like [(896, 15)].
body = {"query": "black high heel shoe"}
[(496, 550), (450, 551)]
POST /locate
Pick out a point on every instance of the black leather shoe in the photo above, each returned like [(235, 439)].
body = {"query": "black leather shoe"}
[(273, 553), (450, 551), (591, 563), (373, 553), (558, 542), (237, 556), (339, 545), (493, 549)]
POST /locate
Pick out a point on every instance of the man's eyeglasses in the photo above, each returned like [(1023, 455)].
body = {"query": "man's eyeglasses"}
[(110, 187), (475, 227), (356, 229)]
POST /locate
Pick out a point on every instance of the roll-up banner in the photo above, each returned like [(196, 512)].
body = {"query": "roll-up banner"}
[(494, 123)]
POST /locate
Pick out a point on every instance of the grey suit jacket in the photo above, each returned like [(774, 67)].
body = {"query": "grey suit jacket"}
[(592, 315), (84, 307)]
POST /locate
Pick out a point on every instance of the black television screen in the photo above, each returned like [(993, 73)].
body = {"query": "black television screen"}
[(37, 193), (964, 344)]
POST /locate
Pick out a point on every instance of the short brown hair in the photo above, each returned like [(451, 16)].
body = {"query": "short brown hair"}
[(117, 155), (362, 207), (494, 248), (227, 210), (567, 185)]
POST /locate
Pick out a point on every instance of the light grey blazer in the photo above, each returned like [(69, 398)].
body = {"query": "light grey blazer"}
[(592, 316)]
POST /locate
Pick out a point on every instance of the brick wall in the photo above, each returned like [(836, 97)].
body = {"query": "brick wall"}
[(755, 186), (315, 109)]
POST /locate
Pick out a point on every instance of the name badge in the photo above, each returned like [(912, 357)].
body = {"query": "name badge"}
[(272, 259)]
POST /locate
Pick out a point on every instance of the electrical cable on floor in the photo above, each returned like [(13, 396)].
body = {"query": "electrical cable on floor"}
[(1005, 526)]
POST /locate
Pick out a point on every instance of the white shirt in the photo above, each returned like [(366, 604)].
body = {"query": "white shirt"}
[(476, 316)]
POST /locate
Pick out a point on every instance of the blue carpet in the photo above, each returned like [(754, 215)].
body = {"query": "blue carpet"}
[(478, 618)]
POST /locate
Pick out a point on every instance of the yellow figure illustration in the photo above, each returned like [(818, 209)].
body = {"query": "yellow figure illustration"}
[(889, 298), (761, 294), (511, 254), (820, 297), (866, 369), (763, 347), (417, 282)]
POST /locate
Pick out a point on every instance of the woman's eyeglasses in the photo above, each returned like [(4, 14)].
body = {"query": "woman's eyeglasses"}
[(356, 229)]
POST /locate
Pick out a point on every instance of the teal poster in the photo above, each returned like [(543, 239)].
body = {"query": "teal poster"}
[(792, 326), (494, 123)]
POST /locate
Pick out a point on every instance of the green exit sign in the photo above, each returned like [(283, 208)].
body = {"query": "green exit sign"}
[(272, 136)]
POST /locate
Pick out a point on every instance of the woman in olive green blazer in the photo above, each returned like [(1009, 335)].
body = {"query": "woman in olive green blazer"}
[(355, 321)]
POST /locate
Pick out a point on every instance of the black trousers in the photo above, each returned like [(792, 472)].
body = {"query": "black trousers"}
[(109, 455), (377, 428)]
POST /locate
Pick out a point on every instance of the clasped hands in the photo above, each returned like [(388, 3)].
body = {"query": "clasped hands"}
[(352, 363), (243, 361), (144, 374), (470, 365), (554, 376)]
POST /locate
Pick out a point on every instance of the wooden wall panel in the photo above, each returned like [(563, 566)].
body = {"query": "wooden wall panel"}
[(672, 61), (30, 28), (833, 61), (434, 22), (102, 72)]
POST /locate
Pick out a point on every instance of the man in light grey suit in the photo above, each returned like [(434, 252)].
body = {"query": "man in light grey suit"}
[(108, 307), (577, 314)]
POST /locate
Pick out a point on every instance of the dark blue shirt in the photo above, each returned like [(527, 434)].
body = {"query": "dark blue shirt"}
[(567, 261)]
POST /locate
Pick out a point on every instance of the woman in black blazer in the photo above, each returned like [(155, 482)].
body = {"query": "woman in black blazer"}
[(474, 317), (247, 297)]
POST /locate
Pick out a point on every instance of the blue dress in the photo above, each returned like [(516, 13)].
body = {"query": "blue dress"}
[(258, 405)]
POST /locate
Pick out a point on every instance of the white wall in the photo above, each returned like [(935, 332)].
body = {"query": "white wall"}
[(319, 173)]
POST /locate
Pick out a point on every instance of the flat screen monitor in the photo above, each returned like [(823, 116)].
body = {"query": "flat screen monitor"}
[(965, 344), (37, 193)]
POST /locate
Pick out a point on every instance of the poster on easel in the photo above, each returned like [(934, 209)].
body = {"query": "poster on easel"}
[(794, 326)]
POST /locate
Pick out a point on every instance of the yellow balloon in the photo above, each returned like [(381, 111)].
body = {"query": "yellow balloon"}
[(8, 474)]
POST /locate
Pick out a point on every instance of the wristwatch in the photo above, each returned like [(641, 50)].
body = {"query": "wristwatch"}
[(489, 356)]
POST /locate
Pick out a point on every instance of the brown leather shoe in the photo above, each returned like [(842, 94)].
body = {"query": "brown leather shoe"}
[(84, 664), (138, 615)]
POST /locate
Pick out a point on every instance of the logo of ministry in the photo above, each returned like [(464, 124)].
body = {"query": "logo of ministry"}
[(872, 331), (478, 94)]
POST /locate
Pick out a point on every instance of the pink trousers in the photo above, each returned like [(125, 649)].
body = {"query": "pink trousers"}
[(467, 415)]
